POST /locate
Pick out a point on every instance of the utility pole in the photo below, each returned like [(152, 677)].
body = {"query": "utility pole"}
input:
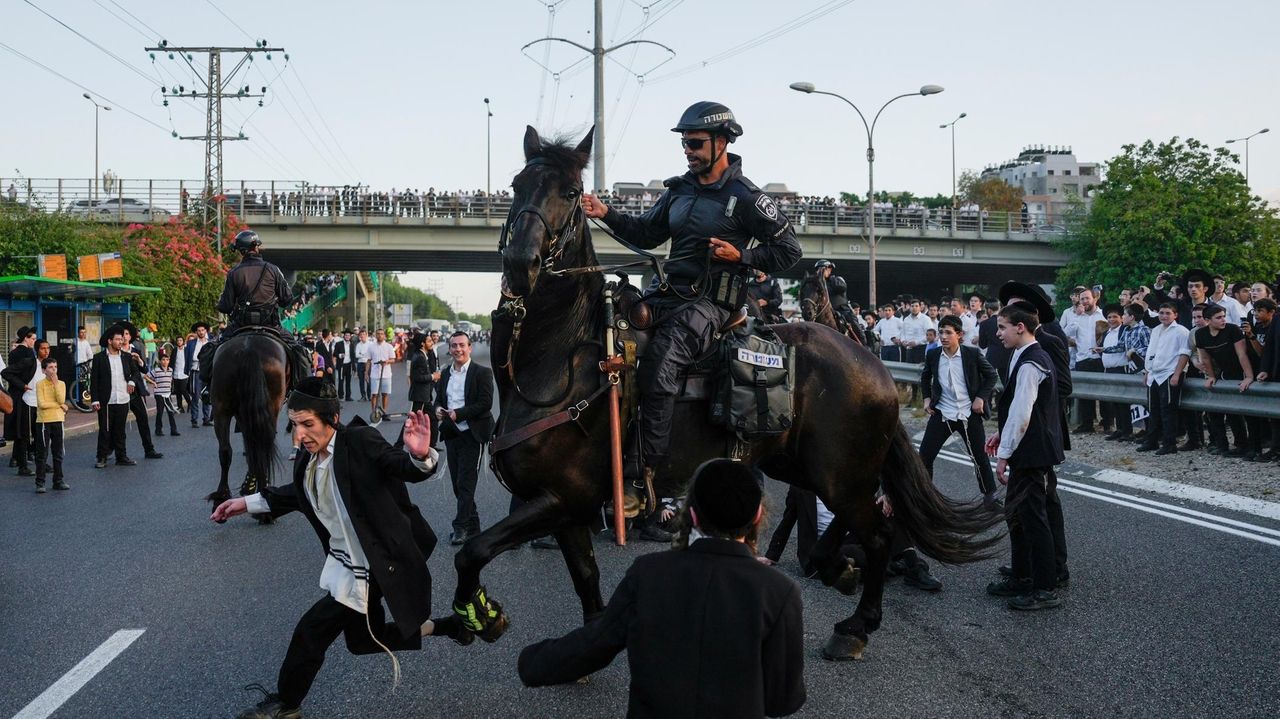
[(217, 87), (598, 52)]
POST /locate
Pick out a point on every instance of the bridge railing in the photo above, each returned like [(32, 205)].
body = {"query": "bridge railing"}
[(1262, 399), (126, 200)]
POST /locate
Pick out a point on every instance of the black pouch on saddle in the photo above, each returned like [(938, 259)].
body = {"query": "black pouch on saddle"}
[(753, 395), (727, 288)]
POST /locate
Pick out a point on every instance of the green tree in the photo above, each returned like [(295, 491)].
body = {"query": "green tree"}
[(1172, 206), (989, 193)]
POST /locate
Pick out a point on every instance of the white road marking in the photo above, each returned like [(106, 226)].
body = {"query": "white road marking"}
[(1150, 506), (1233, 502), (56, 695)]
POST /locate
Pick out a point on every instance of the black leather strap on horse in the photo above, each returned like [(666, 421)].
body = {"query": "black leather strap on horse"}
[(537, 427)]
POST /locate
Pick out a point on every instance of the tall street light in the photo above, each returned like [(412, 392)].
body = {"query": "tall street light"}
[(96, 108), (488, 157), (952, 125), (1246, 140), (808, 88)]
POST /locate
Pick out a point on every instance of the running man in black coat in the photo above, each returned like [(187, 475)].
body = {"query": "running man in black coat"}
[(709, 631)]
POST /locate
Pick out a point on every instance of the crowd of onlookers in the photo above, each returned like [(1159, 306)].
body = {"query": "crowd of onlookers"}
[(305, 292), (1203, 326)]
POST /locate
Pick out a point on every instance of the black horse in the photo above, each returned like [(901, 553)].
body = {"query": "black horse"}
[(250, 373), (846, 444), (815, 306)]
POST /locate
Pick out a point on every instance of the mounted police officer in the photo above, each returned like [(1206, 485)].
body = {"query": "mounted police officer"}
[(766, 294), (711, 214), (254, 294), (838, 293)]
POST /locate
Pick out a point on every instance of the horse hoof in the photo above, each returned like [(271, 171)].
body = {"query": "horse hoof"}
[(843, 648), (846, 580), (497, 627)]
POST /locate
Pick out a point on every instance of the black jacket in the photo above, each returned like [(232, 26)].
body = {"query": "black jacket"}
[(1042, 444), (327, 354), (709, 632), (1270, 362), (979, 377), (254, 281), (477, 410), (769, 291), (100, 376), (422, 365), (396, 540), (689, 214), (18, 370), (988, 340)]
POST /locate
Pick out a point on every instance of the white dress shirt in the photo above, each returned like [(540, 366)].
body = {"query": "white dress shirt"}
[(179, 363), (195, 354), (1084, 331), (1167, 343), (456, 392), (914, 328), (84, 351), (1113, 360), (382, 352), (954, 402), (29, 393), (888, 329), (969, 323), (1236, 312), (362, 351), (1030, 375), (119, 388)]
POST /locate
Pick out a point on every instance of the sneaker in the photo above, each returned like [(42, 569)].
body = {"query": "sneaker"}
[(1009, 587), (100, 464), (126, 462), (40, 488), (1169, 449), (60, 485), (26, 472), (1041, 599)]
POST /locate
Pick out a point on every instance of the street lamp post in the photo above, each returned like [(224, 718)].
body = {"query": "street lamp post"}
[(96, 107), (1246, 140), (952, 125), (808, 88), (488, 158)]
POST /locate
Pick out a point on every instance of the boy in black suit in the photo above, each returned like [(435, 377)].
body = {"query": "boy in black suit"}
[(956, 383), (708, 630), (350, 484)]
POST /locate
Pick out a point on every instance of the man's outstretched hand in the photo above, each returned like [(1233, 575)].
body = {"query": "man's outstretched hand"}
[(229, 509), (417, 434)]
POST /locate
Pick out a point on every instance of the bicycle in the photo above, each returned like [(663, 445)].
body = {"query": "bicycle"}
[(82, 399)]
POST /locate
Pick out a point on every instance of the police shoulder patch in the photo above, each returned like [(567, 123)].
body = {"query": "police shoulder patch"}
[(767, 206)]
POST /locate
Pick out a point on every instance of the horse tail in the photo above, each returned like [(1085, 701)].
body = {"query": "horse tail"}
[(254, 419), (941, 527)]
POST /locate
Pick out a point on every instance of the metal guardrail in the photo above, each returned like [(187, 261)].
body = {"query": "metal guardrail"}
[(127, 200), (1262, 399)]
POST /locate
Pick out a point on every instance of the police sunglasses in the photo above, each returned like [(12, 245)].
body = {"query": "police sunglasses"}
[(694, 143)]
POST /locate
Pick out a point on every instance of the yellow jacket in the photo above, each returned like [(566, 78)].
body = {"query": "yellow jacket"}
[(50, 396)]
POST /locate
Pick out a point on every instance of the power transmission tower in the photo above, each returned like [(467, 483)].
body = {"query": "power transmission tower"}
[(598, 53), (216, 87)]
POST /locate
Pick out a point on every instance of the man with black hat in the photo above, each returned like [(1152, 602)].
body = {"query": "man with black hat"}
[(113, 380), (20, 372), (133, 351), (350, 484), (710, 214), (195, 354), (708, 630), (254, 294)]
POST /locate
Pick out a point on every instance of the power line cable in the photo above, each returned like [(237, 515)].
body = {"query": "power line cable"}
[(158, 36), (325, 123), (84, 37)]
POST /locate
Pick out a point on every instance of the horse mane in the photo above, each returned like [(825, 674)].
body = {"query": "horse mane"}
[(560, 152)]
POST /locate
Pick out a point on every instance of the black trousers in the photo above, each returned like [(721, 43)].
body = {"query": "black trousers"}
[(1120, 411), (682, 336), (111, 422), (1031, 534), (938, 430), (1162, 402), (24, 416), (320, 627), (162, 409), (344, 381), (361, 380), (801, 513), (463, 455), (1087, 409), (48, 440), (181, 388), (138, 406)]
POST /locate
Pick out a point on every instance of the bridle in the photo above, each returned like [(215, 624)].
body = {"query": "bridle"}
[(568, 228)]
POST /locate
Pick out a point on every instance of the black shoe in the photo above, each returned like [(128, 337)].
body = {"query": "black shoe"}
[(1118, 436), (60, 485), (547, 542), (1170, 449), (1004, 570), (25, 472), (1041, 599), (152, 454), (208, 423), (919, 577), (1193, 444), (1083, 429), (126, 462), (1215, 449), (1236, 452), (174, 433), (1147, 447), (40, 488), (269, 708), (653, 533), (159, 432), (195, 425), (100, 464), (1269, 456), (1009, 587)]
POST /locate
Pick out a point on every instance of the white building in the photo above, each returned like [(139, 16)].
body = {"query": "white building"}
[(1049, 177)]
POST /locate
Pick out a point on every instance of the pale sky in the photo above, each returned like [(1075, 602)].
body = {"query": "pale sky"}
[(390, 94)]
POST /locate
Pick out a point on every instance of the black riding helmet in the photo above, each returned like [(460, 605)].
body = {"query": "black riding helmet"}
[(711, 117), (247, 240), (820, 264)]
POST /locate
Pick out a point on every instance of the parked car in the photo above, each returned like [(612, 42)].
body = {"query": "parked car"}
[(126, 209)]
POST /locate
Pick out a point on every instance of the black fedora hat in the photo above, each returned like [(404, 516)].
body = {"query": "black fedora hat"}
[(1031, 293), (200, 323), (1197, 275), (23, 331)]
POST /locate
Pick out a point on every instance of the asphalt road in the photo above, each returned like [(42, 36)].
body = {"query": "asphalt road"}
[(1164, 618)]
